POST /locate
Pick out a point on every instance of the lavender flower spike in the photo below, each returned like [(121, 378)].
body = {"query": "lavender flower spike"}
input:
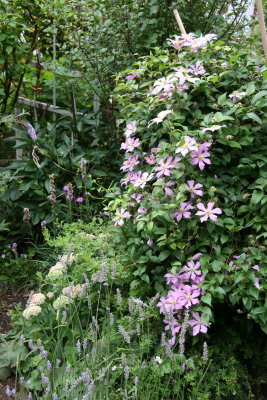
[(31, 132)]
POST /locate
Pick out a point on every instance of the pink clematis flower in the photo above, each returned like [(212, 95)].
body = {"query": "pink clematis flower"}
[(197, 324), (193, 188), (197, 69), (133, 75), (192, 269), (208, 212), (130, 144), (141, 211), (130, 128), (189, 145), (120, 216), (183, 211), (200, 158), (164, 168), (130, 163)]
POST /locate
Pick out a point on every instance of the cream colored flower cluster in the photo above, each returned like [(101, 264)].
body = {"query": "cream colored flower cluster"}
[(69, 293), (34, 308), (57, 271)]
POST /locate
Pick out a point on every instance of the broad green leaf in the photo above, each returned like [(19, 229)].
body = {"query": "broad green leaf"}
[(254, 117)]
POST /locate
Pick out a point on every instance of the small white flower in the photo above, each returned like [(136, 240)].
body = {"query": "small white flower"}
[(50, 295), (158, 360), (113, 368)]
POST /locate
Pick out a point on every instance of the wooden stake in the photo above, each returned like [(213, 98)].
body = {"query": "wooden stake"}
[(262, 26), (179, 22)]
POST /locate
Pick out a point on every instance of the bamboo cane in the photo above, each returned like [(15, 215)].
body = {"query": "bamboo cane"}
[(179, 22), (262, 26)]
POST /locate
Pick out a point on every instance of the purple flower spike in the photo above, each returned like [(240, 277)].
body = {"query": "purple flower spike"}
[(31, 132)]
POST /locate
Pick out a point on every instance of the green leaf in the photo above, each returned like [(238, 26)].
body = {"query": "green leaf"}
[(15, 194), (145, 278), (250, 89), (224, 239), (163, 255), (254, 292), (258, 96), (8, 49), (222, 99), (206, 299), (256, 197), (254, 117), (217, 265), (235, 144)]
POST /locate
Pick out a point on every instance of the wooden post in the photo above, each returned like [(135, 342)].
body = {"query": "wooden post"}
[(262, 26), (179, 22)]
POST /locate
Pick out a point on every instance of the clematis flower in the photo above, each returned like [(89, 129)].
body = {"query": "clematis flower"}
[(164, 167), (200, 158), (208, 212), (197, 69), (130, 163), (133, 75), (141, 182), (213, 128), (130, 128), (137, 197), (120, 215), (159, 118), (183, 211), (141, 211), (236, 95), (189, 145), (189, 295), (192, 269), (193, 188), (197, 324), (130, 144)]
